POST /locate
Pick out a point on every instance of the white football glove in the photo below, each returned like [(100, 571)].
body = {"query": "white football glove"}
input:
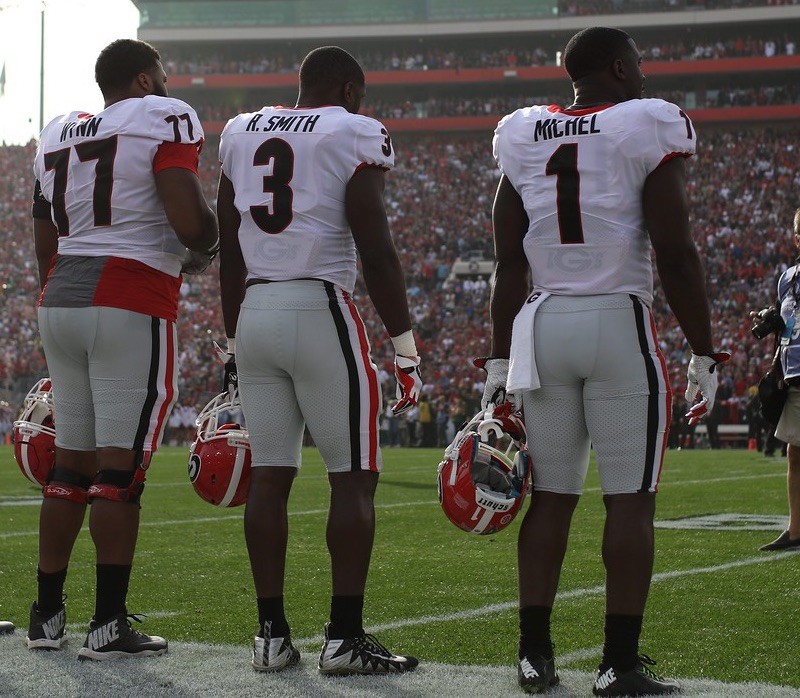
[(494, 390), (702, 378), (409, 382)]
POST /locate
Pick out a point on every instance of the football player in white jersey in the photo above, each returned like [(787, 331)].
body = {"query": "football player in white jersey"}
[(300, 194), (585, 192), (118, 215)]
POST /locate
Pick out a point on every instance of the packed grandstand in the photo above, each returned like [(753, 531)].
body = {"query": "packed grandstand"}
[(743, 183)]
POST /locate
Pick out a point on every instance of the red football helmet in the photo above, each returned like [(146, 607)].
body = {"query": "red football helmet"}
[(485, 474), (219, 459), (35, 434)]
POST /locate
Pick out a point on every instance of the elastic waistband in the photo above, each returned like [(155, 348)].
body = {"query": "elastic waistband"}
[(297, 294), (566, 304)]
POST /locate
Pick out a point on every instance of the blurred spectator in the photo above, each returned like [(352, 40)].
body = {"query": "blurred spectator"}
[(437, 54)]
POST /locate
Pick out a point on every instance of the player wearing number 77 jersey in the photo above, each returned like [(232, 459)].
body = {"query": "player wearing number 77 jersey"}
[(117, 203), (586, 191), (301, 191)]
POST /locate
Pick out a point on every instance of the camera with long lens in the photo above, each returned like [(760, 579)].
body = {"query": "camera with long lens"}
[(767, 322)]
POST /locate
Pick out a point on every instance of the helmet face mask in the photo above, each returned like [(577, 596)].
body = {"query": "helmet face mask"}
[(219, 458), (35, 434), (485, 475)]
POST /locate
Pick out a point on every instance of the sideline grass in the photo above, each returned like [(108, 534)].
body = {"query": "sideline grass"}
[(735, 624)]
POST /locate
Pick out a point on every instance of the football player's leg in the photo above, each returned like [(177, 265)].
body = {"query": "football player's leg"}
[(64, 333), (559, 448), (266, 352), (339, 393), (628, 406), (133, 369)]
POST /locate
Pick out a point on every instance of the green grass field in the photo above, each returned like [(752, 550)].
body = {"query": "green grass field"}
[(718, 608)]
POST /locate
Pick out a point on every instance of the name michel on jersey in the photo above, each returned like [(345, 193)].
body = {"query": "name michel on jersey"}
[(87, 126), (297, 123), (545, 129)]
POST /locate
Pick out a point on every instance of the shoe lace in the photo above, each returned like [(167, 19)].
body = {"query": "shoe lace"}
[(646, 663), (371, 644), (139, 618)]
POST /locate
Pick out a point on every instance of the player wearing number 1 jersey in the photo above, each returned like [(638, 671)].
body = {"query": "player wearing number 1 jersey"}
[(118, 215), (586, 191), (299, 195)]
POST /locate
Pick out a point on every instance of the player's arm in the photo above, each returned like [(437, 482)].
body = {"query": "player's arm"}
[(232, 269), (45, 234), (510, 287), (383, 274), (187, 210), (666, 217), (45, 240)]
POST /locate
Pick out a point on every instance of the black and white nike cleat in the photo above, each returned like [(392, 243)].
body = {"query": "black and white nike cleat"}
[(362, 654), (639, 681)]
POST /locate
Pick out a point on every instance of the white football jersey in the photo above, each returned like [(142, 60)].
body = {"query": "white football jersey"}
[(97, 173), (289, 168), (580, 175)]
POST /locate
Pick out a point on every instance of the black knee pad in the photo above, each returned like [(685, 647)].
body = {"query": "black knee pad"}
[(63, 483), (118, 486)]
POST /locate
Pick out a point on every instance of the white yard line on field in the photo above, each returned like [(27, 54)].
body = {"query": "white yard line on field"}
[(680, 483), (470, 613), (228, 517)]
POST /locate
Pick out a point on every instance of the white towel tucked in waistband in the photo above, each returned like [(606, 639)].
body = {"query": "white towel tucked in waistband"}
[(522, 373)]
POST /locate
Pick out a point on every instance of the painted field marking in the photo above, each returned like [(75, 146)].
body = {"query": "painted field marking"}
[(680, 483), (228, 517), (579, 655), (21, 500), (81, 627), (726, 522), (571, 594)]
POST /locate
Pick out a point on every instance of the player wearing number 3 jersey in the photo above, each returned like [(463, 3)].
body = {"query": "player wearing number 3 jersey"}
[(586, 192), (299, 195), (118, 212)]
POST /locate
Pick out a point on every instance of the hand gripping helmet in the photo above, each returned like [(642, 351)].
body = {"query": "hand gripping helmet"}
[(35, 434), (485, 474), (219, 458)]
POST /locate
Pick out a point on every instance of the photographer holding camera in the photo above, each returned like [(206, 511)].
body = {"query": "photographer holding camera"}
[(785, 324)]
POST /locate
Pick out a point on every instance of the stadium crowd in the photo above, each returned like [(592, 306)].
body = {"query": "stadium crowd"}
[(488, 105), (438, 56), (439, 200)]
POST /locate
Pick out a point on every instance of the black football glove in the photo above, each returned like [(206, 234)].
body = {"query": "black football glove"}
[(230, 380)]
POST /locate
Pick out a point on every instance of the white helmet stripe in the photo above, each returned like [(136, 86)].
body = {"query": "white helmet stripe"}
[(23, 451), (236, 475), (484, 521)]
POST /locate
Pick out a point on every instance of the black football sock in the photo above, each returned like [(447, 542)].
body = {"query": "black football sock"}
[(270, 609), (51, 591), (534, 632), (621, 648), (346, 617), (112, 590)]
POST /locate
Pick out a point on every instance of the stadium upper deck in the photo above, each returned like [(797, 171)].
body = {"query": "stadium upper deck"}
[(240, 53)]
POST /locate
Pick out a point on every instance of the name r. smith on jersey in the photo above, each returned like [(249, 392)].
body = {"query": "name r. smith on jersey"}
[(285, 123)]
